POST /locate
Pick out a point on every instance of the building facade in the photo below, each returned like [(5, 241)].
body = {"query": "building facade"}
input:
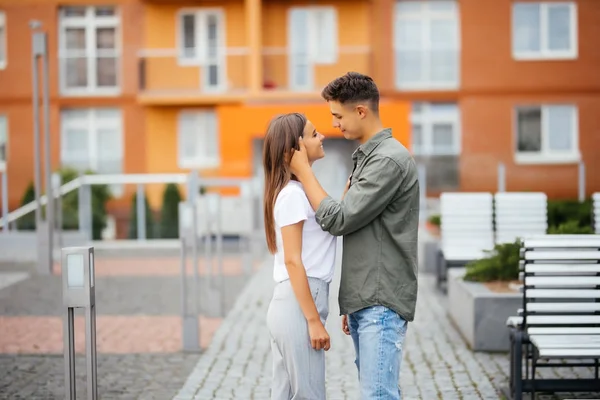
[(154, 86)]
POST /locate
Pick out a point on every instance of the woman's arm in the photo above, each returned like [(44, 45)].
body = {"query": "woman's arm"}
[(292, 250)]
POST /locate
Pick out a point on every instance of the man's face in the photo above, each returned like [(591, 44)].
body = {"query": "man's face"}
[(347, 118)]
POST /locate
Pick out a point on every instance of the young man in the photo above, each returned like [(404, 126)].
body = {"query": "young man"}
[(378, 218)]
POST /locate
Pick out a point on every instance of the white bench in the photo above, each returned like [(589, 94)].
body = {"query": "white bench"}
[(520, 214), (560, 318), (466, 229), (596, 212)]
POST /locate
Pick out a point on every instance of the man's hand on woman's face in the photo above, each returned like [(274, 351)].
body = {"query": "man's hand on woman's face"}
[(299, 161)]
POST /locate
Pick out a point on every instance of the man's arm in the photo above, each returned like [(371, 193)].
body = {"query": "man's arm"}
[(364, 201)]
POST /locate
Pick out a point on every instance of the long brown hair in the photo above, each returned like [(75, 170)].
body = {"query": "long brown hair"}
[(281, 137)]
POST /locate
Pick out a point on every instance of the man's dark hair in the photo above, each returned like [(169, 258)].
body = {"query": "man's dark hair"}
[(353, 88)]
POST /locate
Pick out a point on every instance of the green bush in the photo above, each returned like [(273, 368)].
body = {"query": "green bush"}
[(569, 211), (435, 219), (501, 264), (133, 232), (70, 206), (169, 214), (570, 228), (27, 222)]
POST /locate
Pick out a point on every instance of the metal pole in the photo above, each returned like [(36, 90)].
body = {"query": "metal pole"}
[(501, 177), (422, 171), (56, 184), (69, 352), (581, 185), (5, 201), (219, 253), (188, 236), (36, 125), (47, 158), (141, 213), (78, 282)]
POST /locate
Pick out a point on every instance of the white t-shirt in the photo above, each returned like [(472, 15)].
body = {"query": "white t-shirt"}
[(318, 246)]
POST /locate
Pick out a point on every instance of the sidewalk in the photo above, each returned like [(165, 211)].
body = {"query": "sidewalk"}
[(237, 364)]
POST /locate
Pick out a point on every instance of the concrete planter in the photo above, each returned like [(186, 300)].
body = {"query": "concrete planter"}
[(480, 314), (428, 249)]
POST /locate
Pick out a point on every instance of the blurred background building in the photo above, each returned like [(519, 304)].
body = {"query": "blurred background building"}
[(153, 86)]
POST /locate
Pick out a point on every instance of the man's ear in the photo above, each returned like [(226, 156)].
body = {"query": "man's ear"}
[(361, 110)]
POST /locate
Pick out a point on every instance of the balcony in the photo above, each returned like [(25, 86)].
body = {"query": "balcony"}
[(191, 77), (295, 75)]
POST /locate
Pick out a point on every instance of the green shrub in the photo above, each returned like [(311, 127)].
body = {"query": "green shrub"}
[(169, 214), (567, 211), (70, 206), (100, 196), (501, 264), (435, 219), (27, 222), (570, 228), (133, 232)]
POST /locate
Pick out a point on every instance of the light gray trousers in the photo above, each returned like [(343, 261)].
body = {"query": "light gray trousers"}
[(298, 369)]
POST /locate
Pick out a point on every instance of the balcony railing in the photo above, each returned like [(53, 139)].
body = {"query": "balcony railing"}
[(174, 75), (287, 71), (178, 73)]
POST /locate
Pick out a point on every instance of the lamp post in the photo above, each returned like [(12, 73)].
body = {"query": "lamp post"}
[(188, 232), (79, 291), (44, 229)]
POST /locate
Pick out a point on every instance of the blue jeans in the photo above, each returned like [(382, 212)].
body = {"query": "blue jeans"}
[(378, 334)]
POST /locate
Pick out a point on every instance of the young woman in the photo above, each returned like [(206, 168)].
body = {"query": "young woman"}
[(303, 265)]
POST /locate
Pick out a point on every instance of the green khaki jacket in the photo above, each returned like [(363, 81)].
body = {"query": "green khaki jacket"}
[(379, 220)]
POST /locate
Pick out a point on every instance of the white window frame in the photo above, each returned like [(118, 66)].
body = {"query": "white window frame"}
[(545, 53), (4, 39), (547, 156), (4, 162), (89, 22), (92, 125), (427, 118), (201, 58), (201, 160), (426, 15), (315, 57)]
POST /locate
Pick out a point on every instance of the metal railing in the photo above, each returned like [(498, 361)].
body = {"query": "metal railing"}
[(177, 72)]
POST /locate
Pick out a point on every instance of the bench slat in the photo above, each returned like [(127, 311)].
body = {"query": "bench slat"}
[(574, 341), (563, 307), (569, 353), (561, 255), (560, 268), (562, 281), (563, 319), (563, 331), (561, 294)]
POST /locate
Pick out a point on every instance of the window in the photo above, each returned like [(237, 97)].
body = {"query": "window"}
[(547, 134), (89, 50), (435, 129), (202, 43), (92, 139), (3, 142), (312, 39), (426, 45), (544, 30), (198, 139), (3, 41)]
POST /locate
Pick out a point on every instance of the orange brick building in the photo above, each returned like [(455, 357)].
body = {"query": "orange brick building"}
[(149, 86)]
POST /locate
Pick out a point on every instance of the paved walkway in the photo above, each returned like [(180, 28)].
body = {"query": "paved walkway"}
[(138, 327), (237, 365)]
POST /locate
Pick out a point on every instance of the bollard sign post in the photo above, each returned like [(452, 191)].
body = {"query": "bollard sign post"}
[(79, 292)]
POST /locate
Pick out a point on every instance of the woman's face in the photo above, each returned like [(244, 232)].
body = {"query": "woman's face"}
[(313, 141)]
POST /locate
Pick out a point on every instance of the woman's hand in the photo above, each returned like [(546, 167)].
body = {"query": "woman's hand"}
[(345, 327), (319, 338)]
